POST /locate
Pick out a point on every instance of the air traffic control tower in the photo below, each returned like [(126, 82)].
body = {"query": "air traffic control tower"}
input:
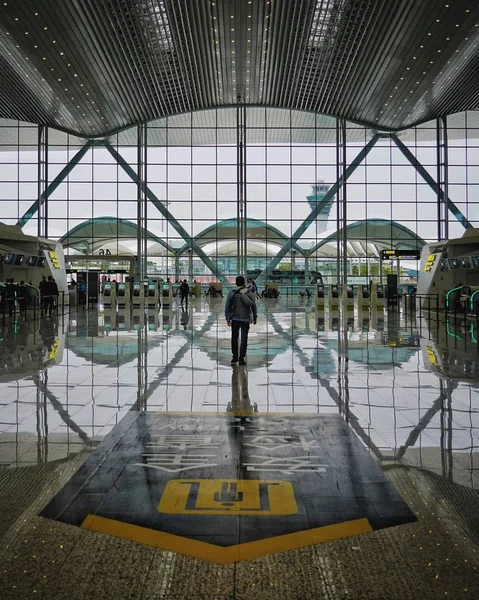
[(316, 197)]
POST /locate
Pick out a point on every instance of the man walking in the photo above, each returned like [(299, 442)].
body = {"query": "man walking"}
[(10, 295), (22, 294), (240, 311), (184, 292), (50, 291)]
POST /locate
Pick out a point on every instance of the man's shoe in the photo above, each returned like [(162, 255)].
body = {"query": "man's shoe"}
[(234, 360), (242, 361)]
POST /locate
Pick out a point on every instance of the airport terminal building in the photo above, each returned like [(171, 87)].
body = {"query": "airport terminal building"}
[(326, 150)]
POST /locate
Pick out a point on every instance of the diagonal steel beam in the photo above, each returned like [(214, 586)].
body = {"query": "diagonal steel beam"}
[(67, 169), (191, 242), (431, 182), (317, 209)]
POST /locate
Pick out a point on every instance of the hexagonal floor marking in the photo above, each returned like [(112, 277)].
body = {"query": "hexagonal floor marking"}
[(231, 486)]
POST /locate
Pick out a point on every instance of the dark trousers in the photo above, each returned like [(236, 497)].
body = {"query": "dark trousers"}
[(236, 327), (22, 304), (184, 297), (10, 305), (49, 304)]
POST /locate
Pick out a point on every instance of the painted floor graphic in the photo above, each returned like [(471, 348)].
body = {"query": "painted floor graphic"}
[(230, 487)]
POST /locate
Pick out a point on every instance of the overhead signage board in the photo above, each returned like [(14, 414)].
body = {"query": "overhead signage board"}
[(400, 254), (230, 487)]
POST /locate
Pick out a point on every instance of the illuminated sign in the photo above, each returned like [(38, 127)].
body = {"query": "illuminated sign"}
[(431, 259), (54, 349), (399, 254), (54, 259), (431, 355)]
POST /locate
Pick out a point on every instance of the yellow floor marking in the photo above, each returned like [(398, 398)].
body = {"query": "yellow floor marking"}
[(230, 554), (228, 496)]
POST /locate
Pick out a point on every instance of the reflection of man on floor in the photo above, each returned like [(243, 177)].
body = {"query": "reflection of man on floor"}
[(185, 317), (240, 400)]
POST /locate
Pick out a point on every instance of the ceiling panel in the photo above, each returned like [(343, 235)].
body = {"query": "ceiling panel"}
[(94, 67)]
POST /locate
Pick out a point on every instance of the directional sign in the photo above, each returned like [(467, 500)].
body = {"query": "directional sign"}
[(230, 487), (400, 254)]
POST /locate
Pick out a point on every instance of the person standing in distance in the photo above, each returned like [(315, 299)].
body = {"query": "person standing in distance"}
[(240, 312), (184, 293)]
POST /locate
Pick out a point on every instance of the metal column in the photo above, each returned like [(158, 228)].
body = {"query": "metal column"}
[(142, 182), (442, 179), (142, 255), (241, 204), (42, 149), (341, 201)]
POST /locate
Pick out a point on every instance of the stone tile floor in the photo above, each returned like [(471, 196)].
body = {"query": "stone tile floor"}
[(407, 387)]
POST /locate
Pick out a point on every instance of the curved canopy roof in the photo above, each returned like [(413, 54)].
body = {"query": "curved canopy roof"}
[(368, 238), (88, 237), (230, 248), (226, 230), (93, 68), (365, 238)]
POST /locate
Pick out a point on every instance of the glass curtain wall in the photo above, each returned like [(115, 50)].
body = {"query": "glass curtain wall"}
[(290, 190)]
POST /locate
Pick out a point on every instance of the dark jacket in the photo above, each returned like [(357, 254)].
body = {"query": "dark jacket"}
[(21, 292), (240, 305), (10, 291), (184, 289), (50, 289)]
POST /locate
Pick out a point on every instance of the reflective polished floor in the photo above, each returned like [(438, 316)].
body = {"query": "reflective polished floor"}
[(405, 386)]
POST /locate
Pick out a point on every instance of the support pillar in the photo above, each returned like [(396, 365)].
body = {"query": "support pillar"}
[(42, 163), (177, 267), (241, 204), (307, 275), (442, 179), (190, 265), (341, 218), (141, 185)]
